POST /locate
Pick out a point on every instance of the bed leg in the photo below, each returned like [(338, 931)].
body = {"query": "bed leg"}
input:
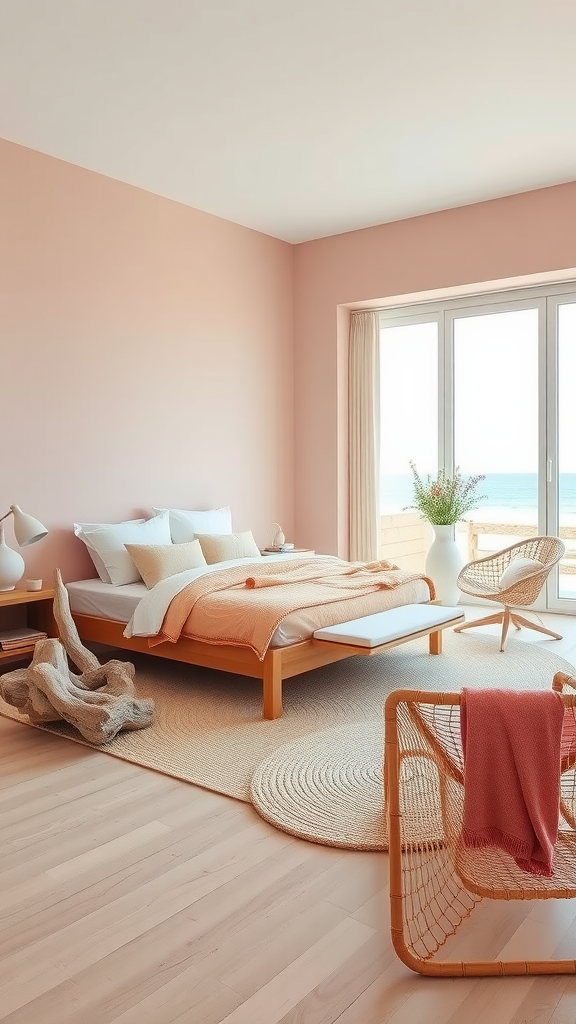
[(435, 642), (272, 684)]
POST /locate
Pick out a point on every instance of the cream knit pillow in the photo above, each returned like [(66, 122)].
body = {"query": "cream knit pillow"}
[(222, 547), (156, 562)]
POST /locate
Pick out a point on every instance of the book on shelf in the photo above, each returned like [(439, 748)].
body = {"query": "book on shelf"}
[(13, 639)]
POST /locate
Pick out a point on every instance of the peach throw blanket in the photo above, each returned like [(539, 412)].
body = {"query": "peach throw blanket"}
[(512, 744), (243, 606)]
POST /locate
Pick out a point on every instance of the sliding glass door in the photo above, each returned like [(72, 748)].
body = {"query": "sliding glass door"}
[(487, 385), (495, 431), (408, 351), (409, 415)]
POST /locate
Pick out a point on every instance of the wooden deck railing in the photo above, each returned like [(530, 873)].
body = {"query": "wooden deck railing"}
[(476, 530), (405, 539)]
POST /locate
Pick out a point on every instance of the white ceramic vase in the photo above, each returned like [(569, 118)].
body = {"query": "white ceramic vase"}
[(11, 565), (443, 564)]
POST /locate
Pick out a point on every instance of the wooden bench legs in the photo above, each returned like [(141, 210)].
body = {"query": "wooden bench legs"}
[(273, 673), (435, 642)]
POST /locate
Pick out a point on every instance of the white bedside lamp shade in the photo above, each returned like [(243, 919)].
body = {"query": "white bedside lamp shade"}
[(27, 530)]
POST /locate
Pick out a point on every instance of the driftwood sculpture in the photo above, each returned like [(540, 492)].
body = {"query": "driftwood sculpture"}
[(99, 702)]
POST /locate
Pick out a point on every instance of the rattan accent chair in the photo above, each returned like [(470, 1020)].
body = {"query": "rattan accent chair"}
[(436, 883), (482, 578)]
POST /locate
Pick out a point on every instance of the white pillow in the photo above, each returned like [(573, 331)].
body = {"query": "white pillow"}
[(518, 569), (109, 543), (79, 531), (221, 547), (156, 562), (185, 525)]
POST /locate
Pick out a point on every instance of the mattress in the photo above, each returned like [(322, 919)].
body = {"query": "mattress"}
[(93, 597)]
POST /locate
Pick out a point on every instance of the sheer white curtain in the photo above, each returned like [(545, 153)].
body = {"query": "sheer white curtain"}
[(364, 436)]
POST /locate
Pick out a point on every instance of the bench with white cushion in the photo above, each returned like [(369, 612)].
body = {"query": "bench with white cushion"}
[(372, 634)]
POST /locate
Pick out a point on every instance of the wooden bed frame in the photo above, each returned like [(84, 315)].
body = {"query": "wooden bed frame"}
[(279, 663)]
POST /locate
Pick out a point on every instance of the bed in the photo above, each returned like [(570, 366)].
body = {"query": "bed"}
[(133, 617)]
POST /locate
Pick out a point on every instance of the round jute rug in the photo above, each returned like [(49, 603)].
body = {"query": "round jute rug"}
[(329, 787)]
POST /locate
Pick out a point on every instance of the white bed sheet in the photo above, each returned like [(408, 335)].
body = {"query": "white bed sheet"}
[(94, 597)]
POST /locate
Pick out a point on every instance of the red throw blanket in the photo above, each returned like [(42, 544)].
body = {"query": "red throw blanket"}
[(511, 743)]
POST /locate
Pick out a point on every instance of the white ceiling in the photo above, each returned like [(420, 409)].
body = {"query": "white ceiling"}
[(299, 118)]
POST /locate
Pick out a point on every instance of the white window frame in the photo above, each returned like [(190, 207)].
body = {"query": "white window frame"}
[(546, 298)]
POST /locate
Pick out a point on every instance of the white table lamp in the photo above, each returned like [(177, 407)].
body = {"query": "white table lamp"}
[(27, 530), (279, 537)]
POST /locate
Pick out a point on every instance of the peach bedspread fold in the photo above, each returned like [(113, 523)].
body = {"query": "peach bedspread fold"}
[(243, 607), (312, 574)]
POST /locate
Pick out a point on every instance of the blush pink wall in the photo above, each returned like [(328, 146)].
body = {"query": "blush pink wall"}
[(146, 358), (526, 234), (154, 354)]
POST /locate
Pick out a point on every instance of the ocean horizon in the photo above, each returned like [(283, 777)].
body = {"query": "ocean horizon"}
[(501, 490)]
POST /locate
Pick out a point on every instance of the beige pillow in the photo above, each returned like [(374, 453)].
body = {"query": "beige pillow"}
[(157, 561), (221, 547)]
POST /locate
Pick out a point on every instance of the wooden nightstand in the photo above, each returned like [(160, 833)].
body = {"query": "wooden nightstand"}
[(31, 608), (292, 551)]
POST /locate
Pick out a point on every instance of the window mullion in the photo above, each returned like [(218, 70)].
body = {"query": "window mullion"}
[(446, 392)]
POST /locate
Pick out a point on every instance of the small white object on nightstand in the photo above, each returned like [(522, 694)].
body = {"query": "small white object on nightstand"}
[(279, 538)]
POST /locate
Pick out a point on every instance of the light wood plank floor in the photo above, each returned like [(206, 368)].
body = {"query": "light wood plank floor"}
[(131, 898)]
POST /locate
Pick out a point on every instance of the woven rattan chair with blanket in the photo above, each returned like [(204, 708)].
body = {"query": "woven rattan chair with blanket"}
[(442, 865), (512, 577)]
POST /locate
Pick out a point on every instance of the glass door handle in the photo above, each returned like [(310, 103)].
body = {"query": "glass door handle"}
[(549, 471)]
